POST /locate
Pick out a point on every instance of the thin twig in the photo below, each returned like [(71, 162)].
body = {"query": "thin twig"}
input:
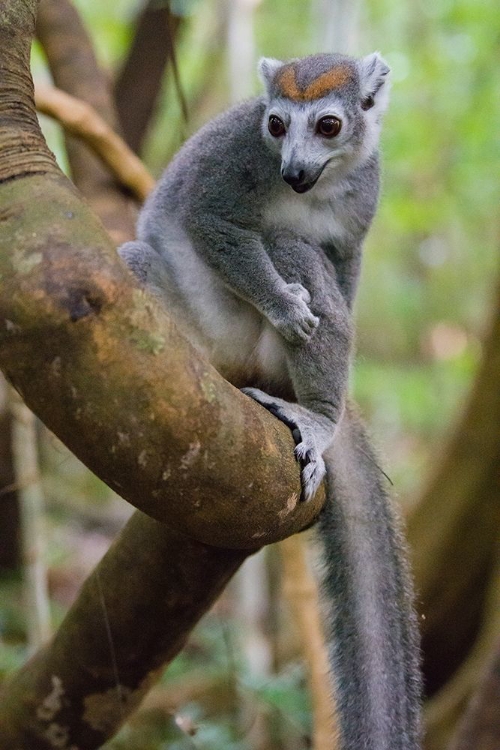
[(81, 119), (16, 486), (172, 53), (25, 455)]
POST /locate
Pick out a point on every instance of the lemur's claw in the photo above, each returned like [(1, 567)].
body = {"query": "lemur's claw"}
[(312, 466), (312, 469), (311, 476), (271, 404)]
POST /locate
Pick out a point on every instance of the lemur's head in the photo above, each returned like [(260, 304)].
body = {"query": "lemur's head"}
[(323, 113)]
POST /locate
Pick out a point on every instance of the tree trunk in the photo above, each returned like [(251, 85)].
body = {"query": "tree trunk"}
[(139, 82), (132, 617), (454, 534)]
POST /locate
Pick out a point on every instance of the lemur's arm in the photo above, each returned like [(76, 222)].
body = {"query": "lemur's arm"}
[(241, 261), (347, 262), (319, 367)]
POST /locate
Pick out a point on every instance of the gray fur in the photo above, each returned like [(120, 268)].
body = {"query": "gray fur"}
[(370, 621), (262, 280)]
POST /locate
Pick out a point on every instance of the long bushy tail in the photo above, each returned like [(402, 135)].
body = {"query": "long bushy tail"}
[(371, 626)]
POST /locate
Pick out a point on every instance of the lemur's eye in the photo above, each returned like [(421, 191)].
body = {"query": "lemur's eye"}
[(368, 102), (329, 126), (276, 126)]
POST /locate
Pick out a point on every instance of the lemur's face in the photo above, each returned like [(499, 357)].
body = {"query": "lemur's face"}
[(309, 138), (323, 114)]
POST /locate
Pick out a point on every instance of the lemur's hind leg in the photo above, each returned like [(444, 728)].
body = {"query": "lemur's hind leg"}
[(147, 265), (311, 431), (319, 367)]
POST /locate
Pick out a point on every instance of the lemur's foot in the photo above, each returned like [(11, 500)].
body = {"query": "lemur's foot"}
[(147, 266), (312, 434), (138, 257), (293, 318)]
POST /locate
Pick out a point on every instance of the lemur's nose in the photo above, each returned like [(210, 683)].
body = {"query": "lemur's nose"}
[(292, 176)]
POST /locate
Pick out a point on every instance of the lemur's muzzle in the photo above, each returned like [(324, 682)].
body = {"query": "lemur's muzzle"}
[(298, 180)]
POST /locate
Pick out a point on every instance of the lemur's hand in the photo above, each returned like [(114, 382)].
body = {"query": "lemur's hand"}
[(291, 315), (312, 432)]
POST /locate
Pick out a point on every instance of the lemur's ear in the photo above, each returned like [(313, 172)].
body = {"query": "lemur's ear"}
[(373, 75), (268, 67)]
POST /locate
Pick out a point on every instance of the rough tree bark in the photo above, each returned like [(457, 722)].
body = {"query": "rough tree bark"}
[(115, 641), (144, 411)]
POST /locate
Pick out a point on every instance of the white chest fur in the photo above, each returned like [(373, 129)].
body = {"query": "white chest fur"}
[(316, 219)]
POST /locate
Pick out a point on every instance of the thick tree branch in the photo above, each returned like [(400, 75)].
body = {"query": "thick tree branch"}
[(115, 640), (118, 383), (124, 390)]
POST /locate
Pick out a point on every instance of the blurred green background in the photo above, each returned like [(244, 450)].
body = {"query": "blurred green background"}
[(431, 256)]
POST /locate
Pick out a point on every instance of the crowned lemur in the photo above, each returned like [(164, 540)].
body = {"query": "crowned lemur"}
[(253, 238)]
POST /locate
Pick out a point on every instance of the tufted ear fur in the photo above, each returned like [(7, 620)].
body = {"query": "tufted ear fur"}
[(373, 73), (268, 67)]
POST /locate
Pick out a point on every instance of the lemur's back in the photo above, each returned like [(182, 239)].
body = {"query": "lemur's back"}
[(219, 169), (204, 180)]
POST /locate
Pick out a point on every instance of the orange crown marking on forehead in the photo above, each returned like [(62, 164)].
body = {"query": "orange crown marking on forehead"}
[(324, 83)]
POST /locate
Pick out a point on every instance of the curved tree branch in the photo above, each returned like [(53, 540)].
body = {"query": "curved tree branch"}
[(117, 382), (124, 390), (78, 690)]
